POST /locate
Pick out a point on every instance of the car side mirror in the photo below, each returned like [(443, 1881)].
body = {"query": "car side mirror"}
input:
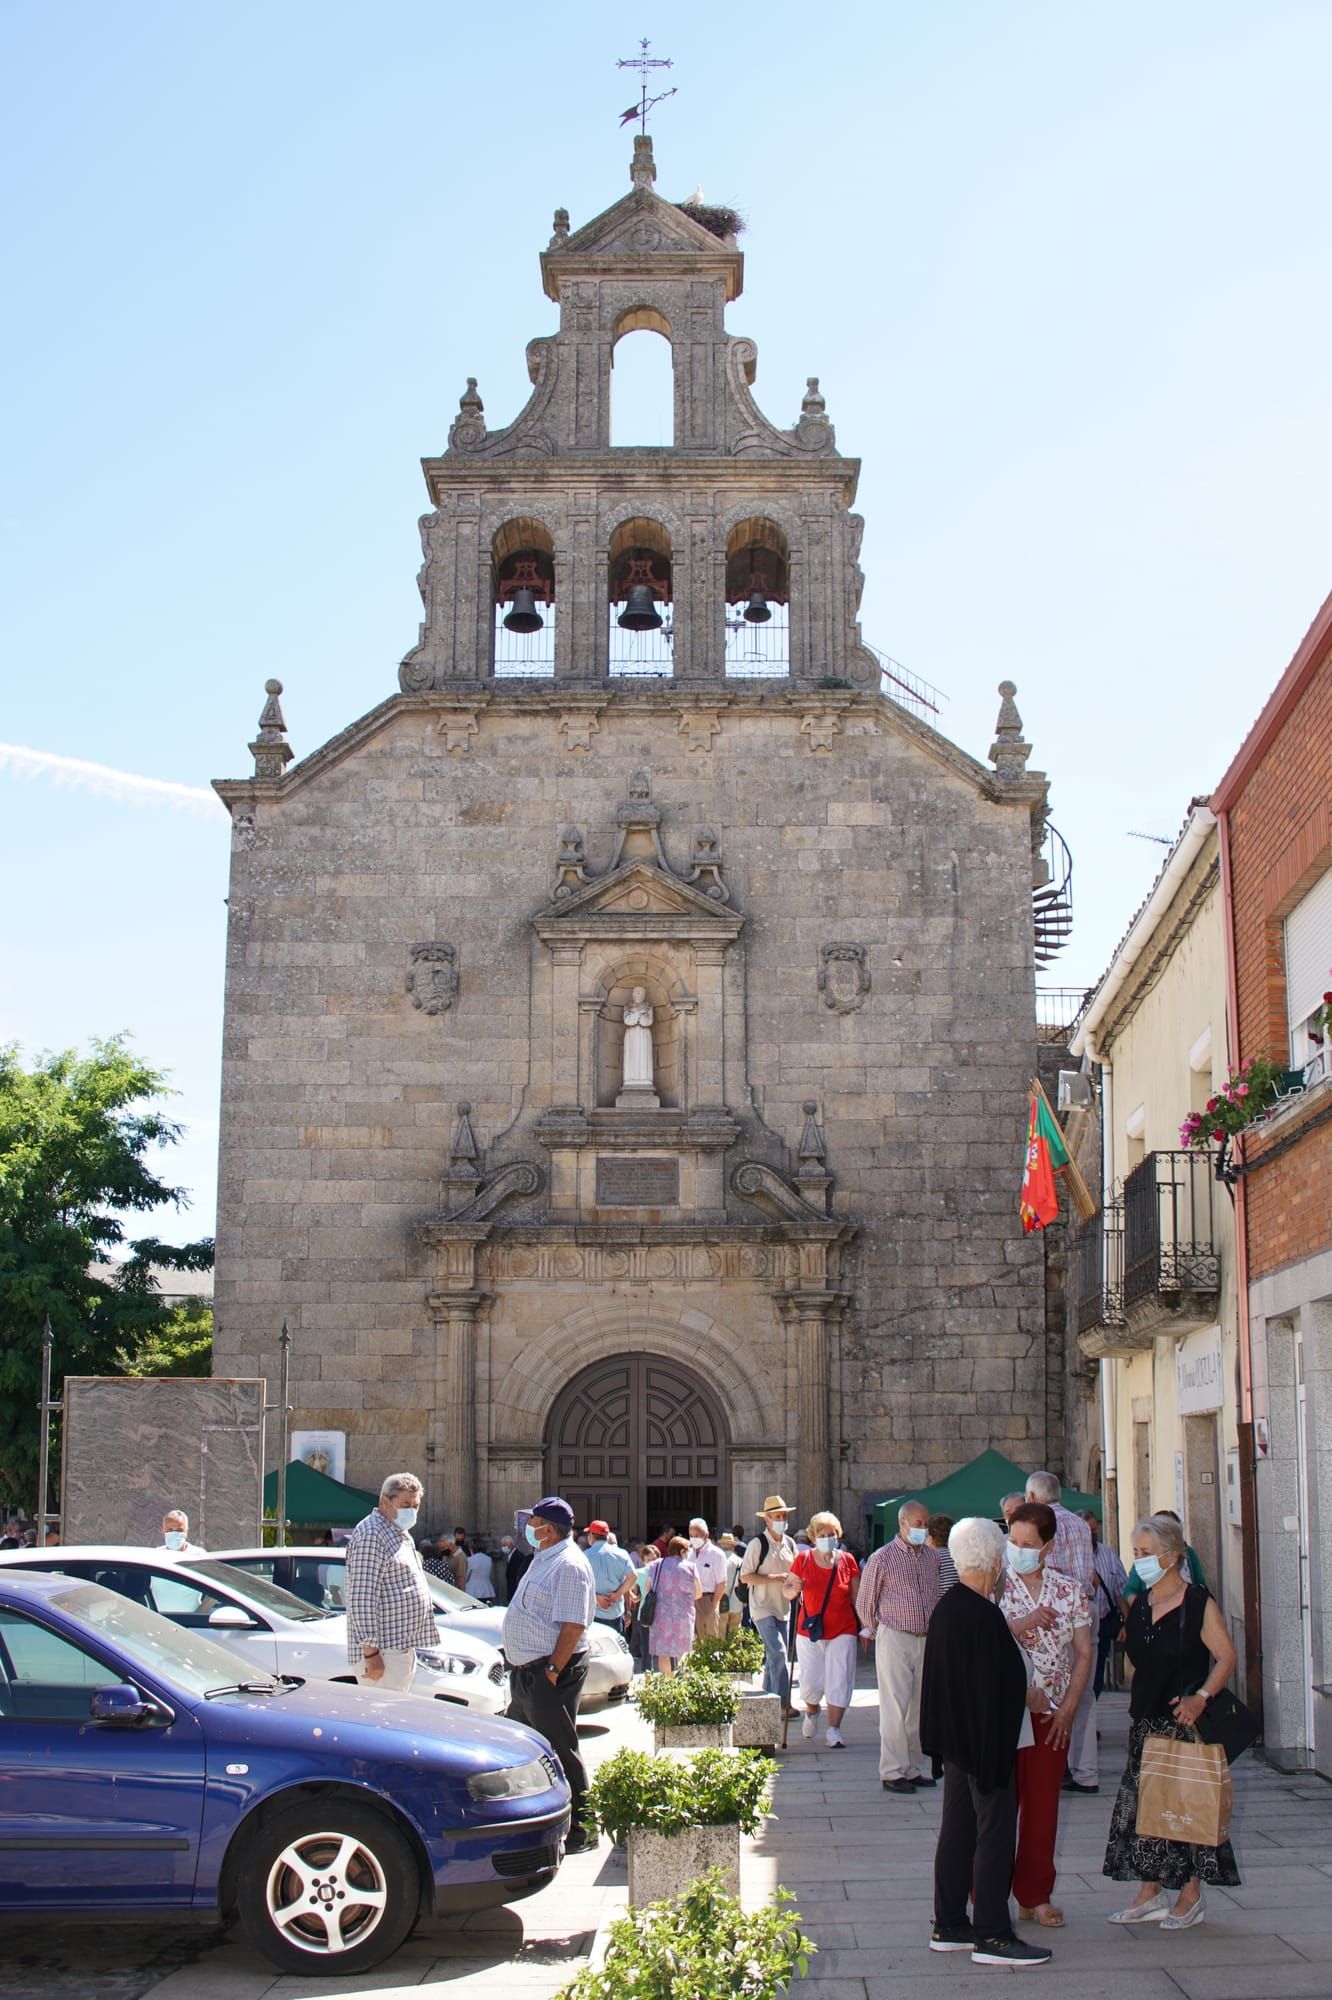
[(123, 1704), (231, 1618)]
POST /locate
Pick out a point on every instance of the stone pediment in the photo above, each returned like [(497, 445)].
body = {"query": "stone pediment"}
[(636, 899), (636, 234)]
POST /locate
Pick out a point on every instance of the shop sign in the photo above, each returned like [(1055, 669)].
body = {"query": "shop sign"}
[(1198, 1372)]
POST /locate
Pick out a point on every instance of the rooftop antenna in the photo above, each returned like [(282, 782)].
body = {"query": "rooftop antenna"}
[(644, 64), (1158, 839)]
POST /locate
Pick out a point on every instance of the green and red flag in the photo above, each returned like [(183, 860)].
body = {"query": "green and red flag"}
[(1038, 1203)]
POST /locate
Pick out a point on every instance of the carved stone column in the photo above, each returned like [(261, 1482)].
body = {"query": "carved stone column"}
[(805, 1314), (453, 1480)]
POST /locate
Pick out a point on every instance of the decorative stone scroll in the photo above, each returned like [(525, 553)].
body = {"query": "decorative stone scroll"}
[(432, 979), (844, 976), (637, 1180)]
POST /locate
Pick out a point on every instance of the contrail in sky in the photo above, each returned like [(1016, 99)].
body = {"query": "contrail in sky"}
[(76, 774)]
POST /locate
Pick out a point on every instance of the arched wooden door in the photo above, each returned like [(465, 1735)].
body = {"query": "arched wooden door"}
[(639, 1441)]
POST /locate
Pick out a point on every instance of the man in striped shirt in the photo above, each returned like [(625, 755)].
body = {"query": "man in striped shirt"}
[(899, 1588)]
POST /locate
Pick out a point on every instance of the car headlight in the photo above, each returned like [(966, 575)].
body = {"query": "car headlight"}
[(514, 1781), (445, 1663)]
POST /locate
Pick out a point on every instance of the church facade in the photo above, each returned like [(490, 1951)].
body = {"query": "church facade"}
[(629, 1020)]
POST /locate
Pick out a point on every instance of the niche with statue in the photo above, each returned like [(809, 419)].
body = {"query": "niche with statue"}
[(640, 1045)]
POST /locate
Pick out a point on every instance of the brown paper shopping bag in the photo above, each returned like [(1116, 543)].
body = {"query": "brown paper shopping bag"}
[(1184, 1791)]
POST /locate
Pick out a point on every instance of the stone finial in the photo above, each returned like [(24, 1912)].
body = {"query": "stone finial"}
[(270, 748), (812, 403), (643, 169), (705, 865), (561, 227), (639, 822), (814, 432), (1008, 752), (812, 1176), (464, 1172), (570, 862), (468, 429)]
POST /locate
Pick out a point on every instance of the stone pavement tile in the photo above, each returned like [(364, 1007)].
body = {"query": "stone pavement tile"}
[(1274, 1892), (1286, 1981), (230, 1974), (977, 1982)]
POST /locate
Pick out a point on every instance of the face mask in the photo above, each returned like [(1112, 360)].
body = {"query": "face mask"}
[(777, 1524), (696, 1541), (174, 1539), (826, 1544), (1022, 1561), (531, 1535), (1150, 1568), (917, 1536), (406, 1516)]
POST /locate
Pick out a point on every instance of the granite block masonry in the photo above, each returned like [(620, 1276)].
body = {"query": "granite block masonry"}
[(776, 1250)]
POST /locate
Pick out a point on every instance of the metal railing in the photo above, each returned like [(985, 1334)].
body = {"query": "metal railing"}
[(1057, 1011), (758, 652), (525, 655), (1096, 1271), (919, 697), (641, 653), (1169, 1226)]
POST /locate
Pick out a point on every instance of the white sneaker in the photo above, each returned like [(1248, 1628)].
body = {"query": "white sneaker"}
[(808, 1723), (1144, 1913), (833, 1739)]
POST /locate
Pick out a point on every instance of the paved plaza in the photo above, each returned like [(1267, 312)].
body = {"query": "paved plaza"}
[(859, 1863)]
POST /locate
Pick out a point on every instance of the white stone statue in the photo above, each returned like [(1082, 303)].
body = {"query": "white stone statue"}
[(638, 1018)]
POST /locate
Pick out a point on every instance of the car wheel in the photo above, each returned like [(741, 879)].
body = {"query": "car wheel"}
[(330, 1886)]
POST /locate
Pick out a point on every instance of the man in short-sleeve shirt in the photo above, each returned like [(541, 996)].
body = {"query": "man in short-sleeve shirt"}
[(545, 1642)]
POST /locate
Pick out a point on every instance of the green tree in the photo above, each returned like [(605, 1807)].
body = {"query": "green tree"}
[(76, 1134), (182, 1345)]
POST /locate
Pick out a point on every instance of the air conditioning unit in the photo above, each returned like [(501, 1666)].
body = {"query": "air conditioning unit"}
[(1075, 1091)]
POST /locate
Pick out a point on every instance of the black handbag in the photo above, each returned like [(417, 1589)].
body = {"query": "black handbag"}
[(1226, 1721), (813, 1627)]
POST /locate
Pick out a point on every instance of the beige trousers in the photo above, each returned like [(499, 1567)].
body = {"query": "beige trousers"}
[(898, 1658), (707, 1620)]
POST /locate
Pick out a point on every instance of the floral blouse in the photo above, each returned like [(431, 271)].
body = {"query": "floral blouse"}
[(1050, 1647)]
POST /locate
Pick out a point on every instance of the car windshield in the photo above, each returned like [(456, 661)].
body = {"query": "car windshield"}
[(448, 1597), (196, 1663), (265, 1596)]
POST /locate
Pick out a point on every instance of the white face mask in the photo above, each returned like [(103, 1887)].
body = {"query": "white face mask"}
[(696, 1541), (777, 1524), (406, 1516), (917, 1537), (174, 1538)]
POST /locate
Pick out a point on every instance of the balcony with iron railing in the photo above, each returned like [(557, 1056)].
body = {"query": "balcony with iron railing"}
[(1172, 1266), (1096, 1286)]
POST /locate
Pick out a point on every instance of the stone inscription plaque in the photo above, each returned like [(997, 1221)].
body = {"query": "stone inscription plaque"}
[(637, 1180)]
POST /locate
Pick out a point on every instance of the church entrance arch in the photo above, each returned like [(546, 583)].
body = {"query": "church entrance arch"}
[(637, 1440)]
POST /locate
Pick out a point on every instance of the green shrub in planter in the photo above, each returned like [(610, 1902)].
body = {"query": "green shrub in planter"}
[(679, 1701), (701, 1945), (740, 1652), (634, 1789)]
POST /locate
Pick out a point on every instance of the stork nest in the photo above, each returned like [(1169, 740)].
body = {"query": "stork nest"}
[(718, 221)]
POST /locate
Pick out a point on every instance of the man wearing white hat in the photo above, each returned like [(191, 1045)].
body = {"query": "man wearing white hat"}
[(766, 1566)]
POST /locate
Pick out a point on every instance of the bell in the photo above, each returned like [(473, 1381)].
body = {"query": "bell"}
[(523, 616), (640, 612), (756, 611)]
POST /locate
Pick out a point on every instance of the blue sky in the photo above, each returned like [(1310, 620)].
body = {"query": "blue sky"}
[(1063, 271)]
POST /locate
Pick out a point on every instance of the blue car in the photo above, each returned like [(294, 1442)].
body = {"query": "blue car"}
[(142, 1772)]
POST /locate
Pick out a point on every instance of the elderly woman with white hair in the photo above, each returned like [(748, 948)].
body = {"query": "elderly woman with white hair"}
[(974, 1701), (824, 1579), (1182, 1657)]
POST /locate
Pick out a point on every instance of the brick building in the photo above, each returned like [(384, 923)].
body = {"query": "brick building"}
[(1274, 813), (629, 1019)]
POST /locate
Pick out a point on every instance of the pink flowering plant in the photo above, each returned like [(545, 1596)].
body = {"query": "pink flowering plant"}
[(1249, 1093)]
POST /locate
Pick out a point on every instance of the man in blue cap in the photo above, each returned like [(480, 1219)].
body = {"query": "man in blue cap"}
[(545, 1644)]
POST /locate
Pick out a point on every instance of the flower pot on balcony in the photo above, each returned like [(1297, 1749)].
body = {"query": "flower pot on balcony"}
[(758, 1722), (664, 1864), (692, 1736)]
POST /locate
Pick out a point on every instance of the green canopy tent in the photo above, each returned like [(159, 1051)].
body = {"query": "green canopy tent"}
[(316, 1501), (976, 1488)]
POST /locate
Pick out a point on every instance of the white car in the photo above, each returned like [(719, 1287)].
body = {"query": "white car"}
[(316, 1575), (268, 1626)]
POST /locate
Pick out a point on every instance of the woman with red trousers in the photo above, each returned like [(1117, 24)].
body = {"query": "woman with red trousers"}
[(1049, 1617)]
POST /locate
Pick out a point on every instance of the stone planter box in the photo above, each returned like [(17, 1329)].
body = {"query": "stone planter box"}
[(758, 1722), (693, 1736), (664, 1864)]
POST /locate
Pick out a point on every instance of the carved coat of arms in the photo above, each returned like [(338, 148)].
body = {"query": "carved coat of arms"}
[(432, 978), (844, 978)]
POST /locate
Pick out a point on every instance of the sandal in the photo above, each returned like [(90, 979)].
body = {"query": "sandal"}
[(1053, 1920)]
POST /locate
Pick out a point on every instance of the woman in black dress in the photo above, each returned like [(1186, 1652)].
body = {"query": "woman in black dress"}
[(1182, 1656)]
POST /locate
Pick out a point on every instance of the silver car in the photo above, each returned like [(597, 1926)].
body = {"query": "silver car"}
[(316, 1575)]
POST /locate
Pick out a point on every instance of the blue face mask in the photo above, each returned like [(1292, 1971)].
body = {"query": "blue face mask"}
[(406, 1516), (531, 1535), (1022, 1561), (1150, 1568), (174, 1539), (825, 1544), (918, 1536)]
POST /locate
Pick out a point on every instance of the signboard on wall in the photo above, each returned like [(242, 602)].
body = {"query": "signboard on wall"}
[(324, 1451), (1198, 1372)]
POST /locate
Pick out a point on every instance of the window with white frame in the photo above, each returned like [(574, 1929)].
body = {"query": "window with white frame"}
[(1309, 972)]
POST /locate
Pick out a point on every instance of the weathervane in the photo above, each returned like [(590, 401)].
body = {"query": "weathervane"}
[(644, 64)]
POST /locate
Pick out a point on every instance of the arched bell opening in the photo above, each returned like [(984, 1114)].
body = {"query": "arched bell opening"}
[(639, 572), (522, 558), (642, 384), (758, 600)]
